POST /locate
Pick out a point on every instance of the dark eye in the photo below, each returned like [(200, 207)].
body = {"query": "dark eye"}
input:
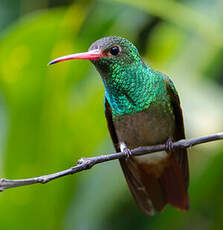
[(114, 50)]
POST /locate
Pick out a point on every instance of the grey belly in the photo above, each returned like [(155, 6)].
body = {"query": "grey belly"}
[(152, 126)]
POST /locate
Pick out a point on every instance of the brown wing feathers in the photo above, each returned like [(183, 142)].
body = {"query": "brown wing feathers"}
[(180, 154)]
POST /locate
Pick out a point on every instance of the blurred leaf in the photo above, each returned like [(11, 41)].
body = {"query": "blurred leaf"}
[(47, 132), (181, 15)]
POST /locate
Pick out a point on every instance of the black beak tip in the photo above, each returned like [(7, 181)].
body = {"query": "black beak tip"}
[(51, 63)]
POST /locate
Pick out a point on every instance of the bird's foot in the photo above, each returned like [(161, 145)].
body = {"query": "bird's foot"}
[(126, 150), (169, 145)]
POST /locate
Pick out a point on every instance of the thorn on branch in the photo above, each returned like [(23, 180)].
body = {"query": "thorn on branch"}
[(81, 161), (42, 180), (87, 163)]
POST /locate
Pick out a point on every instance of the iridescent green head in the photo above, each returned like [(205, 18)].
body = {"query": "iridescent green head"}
[(117, 54)]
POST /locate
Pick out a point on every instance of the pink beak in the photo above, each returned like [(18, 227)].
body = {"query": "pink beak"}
[(90, 55)]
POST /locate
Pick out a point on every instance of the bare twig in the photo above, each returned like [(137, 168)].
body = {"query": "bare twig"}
[(87, 163)]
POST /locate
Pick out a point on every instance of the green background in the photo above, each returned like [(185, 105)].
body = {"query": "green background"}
[(50, 116)]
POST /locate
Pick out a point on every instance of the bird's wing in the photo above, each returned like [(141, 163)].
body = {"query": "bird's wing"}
[(130, 169), (171, 187), (110, 124), (180, 154)]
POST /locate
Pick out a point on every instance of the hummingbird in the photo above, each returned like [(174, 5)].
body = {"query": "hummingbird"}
[(142, 108)]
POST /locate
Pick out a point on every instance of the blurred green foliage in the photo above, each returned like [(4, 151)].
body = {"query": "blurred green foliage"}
[(52, 116)]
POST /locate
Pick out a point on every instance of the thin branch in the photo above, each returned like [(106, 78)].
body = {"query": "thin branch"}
[(87, 163)]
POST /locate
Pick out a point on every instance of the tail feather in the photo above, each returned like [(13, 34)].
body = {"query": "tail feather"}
[(172, 182), (152, 192), (168, 188)]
